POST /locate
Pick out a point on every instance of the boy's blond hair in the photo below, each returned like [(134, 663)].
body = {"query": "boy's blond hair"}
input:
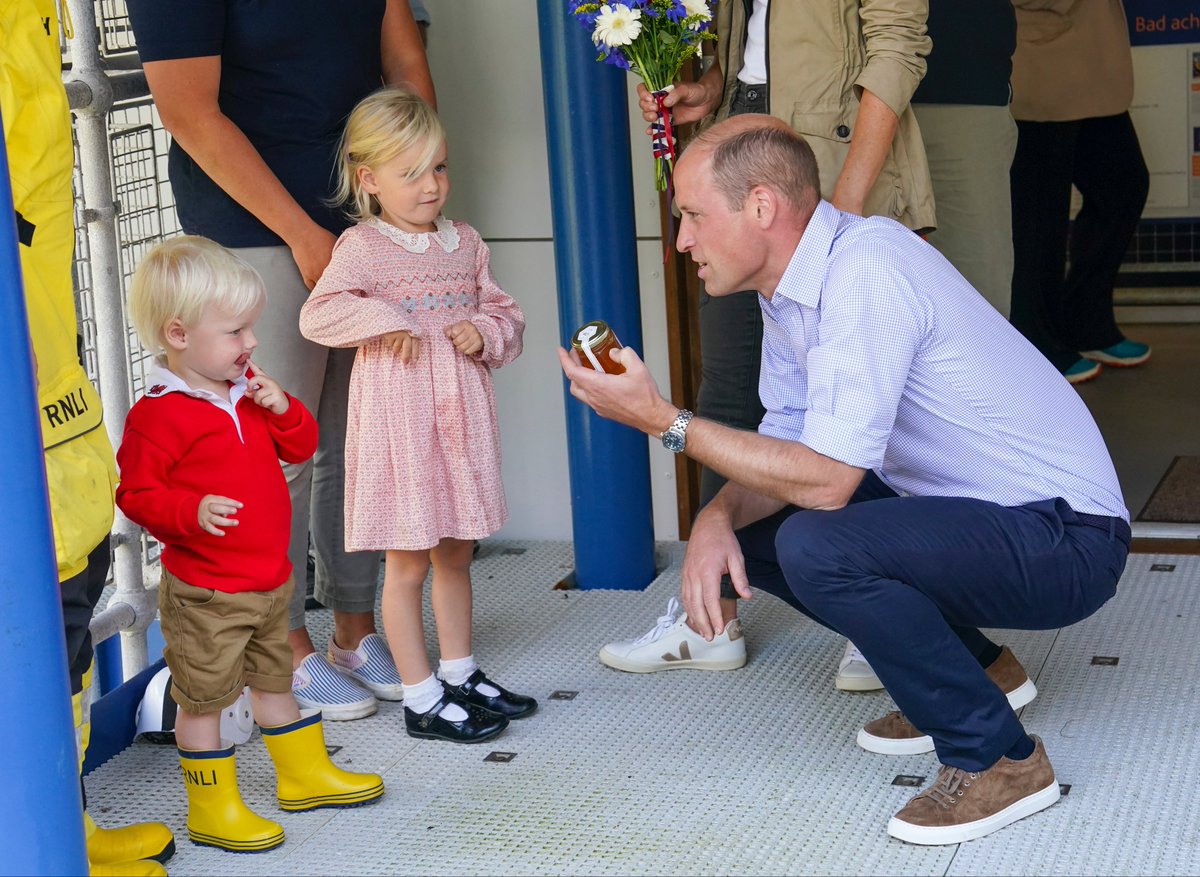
[(183, 277), (383, 125)]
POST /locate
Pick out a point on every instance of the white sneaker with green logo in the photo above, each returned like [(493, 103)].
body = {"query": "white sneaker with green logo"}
[(672, 645)]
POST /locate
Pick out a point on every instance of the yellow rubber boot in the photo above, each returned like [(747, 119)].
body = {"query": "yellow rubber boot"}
[(307, 779), (143, 840), (139, 868), (116, 846), (217, 817)]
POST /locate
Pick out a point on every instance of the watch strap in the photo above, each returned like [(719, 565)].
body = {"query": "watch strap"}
[(678, 429)]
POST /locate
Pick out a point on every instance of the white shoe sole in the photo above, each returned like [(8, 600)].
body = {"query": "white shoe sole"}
[(1020, 696), (953, 834), (1083, 377), (347, 713), (381, 690), (857, 683), (617, 662), (888, 746)]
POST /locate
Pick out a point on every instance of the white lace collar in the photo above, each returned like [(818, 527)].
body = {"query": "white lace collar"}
[(418, 241)]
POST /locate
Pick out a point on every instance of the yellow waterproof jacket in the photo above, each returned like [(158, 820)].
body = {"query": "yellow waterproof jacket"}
[(80, 468)]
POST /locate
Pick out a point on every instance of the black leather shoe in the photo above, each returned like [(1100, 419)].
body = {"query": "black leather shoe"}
[(507, 704), (477, 727)]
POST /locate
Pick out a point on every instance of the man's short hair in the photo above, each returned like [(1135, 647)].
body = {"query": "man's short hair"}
[(771, 156)]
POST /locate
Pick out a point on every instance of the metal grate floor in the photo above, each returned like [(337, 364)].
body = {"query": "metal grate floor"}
[(747, 772)]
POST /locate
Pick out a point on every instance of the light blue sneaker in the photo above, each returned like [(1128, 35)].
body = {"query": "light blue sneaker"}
[(1122, 354), (1082, 370), (370, 665), (317, 685)]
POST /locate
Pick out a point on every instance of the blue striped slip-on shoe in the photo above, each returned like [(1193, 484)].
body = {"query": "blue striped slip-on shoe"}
[(370, 665), (317, 685)]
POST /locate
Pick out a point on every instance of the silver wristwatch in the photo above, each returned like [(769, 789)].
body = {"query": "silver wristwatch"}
[(675, 438)]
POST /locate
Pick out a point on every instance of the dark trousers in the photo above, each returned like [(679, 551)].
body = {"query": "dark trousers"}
[(80, 594), (731, 333), (910, 580), (1064, 311)]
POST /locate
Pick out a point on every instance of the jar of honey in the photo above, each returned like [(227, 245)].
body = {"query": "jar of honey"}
[(594, 342)]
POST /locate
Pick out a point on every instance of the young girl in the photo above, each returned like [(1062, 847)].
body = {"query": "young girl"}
[(414, 292)]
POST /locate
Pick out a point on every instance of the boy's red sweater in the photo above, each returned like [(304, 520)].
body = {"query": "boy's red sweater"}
[(177, 449)]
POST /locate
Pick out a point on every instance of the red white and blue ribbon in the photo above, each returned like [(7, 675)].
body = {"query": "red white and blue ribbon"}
[(663, 144)]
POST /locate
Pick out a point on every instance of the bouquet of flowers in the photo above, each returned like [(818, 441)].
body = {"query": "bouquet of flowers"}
[(653, 38)]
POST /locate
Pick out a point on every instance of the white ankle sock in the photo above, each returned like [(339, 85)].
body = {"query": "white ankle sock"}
[(423, 697), (459, 670)]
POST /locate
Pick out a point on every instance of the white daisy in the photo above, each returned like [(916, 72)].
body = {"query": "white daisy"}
[(697, 7), (617, 25)]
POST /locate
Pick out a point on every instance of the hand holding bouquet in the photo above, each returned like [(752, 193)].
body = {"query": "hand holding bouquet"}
[(653, 38)]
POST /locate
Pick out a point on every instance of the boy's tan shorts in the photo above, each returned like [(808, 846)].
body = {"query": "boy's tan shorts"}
[(218, 642)]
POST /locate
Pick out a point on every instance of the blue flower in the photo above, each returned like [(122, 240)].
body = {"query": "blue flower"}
[(585, 13), (616, 58), (677, 11)]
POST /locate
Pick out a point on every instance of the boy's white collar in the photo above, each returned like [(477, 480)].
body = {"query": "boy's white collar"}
[(160, 381)]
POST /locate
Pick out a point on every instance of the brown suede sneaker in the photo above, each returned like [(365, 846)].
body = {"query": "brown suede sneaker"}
[(1010, 677), (961, 805), (895, 735)]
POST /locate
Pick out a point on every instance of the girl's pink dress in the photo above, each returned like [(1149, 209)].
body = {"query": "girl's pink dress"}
[(422, 442)]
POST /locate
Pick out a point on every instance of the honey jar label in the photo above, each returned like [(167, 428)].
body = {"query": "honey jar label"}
[(585, 337)]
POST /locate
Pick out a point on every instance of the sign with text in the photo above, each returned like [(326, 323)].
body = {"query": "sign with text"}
[(1165, 35), (1161, 22)]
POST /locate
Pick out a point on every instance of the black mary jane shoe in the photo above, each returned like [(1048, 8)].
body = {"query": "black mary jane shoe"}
[(477, 727), (506, 704)]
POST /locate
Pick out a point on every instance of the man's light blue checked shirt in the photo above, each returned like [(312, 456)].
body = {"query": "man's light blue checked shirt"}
[(877, 353)]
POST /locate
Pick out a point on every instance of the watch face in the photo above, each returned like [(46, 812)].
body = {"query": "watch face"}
[(672, 441)]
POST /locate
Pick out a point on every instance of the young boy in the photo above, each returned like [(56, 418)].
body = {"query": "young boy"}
[(200, 471)]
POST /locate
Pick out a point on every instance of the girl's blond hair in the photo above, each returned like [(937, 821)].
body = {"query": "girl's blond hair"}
[(383, 125), (182, 278)]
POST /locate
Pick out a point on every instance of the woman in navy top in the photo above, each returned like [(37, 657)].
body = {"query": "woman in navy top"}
[(254, 94)]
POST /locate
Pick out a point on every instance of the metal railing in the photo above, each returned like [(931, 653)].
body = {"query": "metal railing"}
[(123, 207)]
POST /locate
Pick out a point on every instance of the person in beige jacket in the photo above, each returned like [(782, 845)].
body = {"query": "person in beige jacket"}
[(841, 73), (1072, 86)]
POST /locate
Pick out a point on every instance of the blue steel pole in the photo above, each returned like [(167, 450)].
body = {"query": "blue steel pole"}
[(591, 195), (41, 812)]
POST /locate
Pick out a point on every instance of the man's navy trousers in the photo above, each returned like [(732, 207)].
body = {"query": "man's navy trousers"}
[(910, 580)]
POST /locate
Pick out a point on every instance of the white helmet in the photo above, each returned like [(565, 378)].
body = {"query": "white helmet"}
[(156, 714)]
